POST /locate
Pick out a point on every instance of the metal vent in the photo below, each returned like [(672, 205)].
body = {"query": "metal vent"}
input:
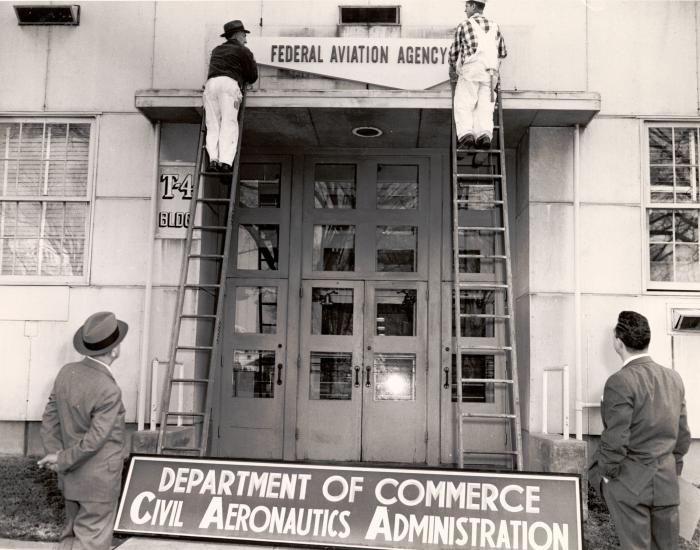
[(686, 320), (376, 15), (64, 14)]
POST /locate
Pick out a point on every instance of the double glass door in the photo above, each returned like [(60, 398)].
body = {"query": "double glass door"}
[(362, 371)]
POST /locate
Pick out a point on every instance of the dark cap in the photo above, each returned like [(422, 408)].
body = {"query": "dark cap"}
[(633, 329), (233, 27)]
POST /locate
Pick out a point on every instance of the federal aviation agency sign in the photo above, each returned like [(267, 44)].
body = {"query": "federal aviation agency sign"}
[(403, 63), (351, 507)]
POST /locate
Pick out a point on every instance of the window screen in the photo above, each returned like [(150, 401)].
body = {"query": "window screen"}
[(44, 205), (388, 15)]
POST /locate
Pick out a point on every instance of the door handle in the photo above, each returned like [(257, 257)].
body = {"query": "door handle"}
[(446, 385), (368, 384), (279, 374), (357, 377)]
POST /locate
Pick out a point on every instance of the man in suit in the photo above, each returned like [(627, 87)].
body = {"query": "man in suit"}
[(83, 434), (641, 449)]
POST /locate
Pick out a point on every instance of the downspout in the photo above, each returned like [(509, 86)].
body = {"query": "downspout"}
[(577, 282), (144, 360)]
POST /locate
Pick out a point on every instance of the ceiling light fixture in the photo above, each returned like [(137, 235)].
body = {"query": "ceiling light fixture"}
[(367, 132)]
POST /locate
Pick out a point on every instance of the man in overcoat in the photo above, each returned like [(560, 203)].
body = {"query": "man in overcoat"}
[(82, 431), (641, 449)]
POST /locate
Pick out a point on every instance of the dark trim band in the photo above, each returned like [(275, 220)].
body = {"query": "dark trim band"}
[(103, 343)]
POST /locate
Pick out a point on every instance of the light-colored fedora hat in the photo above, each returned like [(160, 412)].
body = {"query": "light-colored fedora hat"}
[(100, 333)]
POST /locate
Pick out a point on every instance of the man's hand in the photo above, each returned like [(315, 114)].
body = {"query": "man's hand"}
[(50, 462), (453, 74)]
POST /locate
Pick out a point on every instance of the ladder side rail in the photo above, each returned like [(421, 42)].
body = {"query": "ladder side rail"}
[(456, 295), (175, 331), (215, 356), (509, 294)]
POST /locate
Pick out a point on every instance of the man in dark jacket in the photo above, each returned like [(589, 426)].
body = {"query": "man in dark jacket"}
[(231, 67), (643, 442), (83, 435)]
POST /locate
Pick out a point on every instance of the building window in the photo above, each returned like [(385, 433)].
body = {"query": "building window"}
[(45, 174), (673, 203), (375, 15)]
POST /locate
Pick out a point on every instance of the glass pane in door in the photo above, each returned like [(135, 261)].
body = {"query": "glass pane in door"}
[(332, 311), (256, 310), (395, 312), (474, 366), (334, 186), (331, 376), (396, 248), (478, 302), (258, 247), (259, 185), (397, 187), (394, 377), (253, 374)]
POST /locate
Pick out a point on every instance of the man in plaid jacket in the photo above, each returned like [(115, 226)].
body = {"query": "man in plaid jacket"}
[(475, 57)]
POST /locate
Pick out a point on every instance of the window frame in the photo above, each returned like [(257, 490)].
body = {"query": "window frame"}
[(88, 199)]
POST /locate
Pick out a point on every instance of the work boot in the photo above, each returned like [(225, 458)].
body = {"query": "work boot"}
[(466, 142), (213, 166), (484, 143), (225, 168)]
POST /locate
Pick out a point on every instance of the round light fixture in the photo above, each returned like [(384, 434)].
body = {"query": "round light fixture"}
[(367, 132)]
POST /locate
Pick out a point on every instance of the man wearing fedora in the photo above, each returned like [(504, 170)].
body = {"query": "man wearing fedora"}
[(231, 67), (645, 436), (82, 431)]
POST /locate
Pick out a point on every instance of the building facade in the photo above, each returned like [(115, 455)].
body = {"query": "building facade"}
[(340, 270)]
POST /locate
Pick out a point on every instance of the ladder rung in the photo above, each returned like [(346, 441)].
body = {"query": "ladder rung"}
[(486, 381), (514, 453), (202, 286), (195, 348), (500, 349), (477, 286), (491, 151), (206, 256), (479, 176), (197, 316), (213, 200), (182, 413), (470, 201), (210, 227), (485, 256), (488, 415), (190, 380), (479, 228), (186, 449), (484, 315)]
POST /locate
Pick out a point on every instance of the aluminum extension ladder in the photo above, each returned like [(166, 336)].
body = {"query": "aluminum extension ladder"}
[(195, 341), (479, 183)]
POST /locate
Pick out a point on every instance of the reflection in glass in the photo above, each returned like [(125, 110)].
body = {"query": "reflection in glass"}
[(259, 185), (661, 262), (258, 247), (397, 187), (396, 312), (256, 310), (334, 186), (474, 366), (332, 311), (330, 377), (660, 145), (673, 248), (480, 302), (394, 377), (687, 263), (253, 374), (686, 141), (396, 248), (334, 248)]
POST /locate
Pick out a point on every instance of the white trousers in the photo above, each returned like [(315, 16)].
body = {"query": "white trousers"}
[(222, 98), (473, 106)]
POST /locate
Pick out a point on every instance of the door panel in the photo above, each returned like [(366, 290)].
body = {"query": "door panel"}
[(253, 370), (330, 390), (394, 407)]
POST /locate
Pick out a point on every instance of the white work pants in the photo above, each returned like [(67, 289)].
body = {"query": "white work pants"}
[(222, 97), (473, 106)]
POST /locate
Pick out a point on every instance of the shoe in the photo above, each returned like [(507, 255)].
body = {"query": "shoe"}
[(223, 167), (214, 166), (484, 143), (466, 142)]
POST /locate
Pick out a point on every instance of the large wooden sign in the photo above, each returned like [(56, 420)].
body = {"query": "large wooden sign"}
[(289, 503)]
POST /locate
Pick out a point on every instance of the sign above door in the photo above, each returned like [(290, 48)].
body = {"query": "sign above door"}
[(402, 63)]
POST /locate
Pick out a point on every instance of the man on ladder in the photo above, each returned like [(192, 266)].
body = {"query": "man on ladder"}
[(231, 67), (474, 61)]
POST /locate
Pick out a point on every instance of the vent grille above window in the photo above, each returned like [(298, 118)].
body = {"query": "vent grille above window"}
[(387, 15), (48, 15)]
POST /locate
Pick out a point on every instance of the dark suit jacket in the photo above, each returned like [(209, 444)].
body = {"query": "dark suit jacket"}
[(646, 430), (84, 423)]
